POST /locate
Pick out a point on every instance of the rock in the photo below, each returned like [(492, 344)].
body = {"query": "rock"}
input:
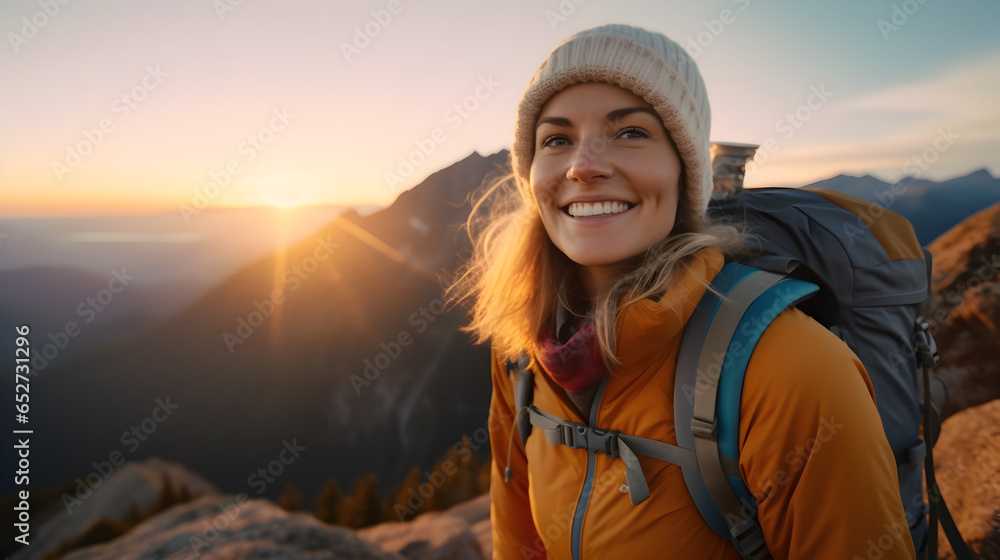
[(967, 467), (964, 313), (477, 514), (483, 532), (233, 527), (133, 493), (473, 511), (967, 343), (455, 534)]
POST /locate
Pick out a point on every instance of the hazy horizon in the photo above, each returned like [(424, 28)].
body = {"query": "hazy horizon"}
[(365, 209), (113, 107)]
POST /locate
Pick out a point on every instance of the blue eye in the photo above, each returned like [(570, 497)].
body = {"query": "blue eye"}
[(555, 141), (633, 132)]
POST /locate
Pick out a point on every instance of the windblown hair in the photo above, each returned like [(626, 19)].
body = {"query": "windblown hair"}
[(516, 275)]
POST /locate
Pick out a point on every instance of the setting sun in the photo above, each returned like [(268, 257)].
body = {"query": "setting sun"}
[(285, 189)]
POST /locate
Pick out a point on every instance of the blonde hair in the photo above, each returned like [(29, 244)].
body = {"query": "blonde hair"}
[(516, 275)]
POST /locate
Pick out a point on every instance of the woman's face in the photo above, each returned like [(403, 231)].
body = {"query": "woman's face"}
[(606, 176)]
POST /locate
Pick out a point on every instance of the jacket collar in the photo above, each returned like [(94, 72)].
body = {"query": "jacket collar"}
[(646, 328)]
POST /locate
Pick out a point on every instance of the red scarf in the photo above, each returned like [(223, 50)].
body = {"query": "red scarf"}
[(576, 363)]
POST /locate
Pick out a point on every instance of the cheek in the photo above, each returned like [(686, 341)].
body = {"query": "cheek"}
[(541, 187), (545, 172)]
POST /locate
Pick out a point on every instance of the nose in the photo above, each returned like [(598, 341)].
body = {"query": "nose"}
[(590, 162)]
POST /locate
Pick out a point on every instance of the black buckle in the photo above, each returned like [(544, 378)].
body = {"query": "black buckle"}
[(927, 350), (748, 538), (579, 436)]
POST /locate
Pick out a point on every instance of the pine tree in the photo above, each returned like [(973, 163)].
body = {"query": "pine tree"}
[(406, 502), (328, 502), (291, 498), (483, 476), (363, 508), (459, 476)]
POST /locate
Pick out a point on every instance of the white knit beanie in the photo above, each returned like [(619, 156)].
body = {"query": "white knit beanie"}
[(649, 65)]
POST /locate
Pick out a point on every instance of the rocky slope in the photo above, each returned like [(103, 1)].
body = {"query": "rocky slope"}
[(109, 503), (967, 466), (964, 316), (155, 510)]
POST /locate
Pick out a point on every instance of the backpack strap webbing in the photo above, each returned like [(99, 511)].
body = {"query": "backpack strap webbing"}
[(715, 351), (927, 358), (574, 435)]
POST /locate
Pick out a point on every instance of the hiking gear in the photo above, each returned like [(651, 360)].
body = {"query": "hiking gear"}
[(716, 348), (927, 358), (874, 277), (645, 63), (578, 499)]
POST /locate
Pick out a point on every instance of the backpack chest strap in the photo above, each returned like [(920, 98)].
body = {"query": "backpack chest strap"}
[(615, 444)]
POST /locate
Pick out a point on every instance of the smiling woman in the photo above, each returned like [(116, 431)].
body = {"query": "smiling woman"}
[(589, 262), (623, 171)]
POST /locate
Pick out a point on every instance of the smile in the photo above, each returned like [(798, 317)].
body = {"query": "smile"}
[(579, 209)]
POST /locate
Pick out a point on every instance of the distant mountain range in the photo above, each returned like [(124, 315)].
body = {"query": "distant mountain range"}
[(339, 343), (932, 207)]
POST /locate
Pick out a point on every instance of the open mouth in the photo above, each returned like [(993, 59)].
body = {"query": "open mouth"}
[(601, 208)]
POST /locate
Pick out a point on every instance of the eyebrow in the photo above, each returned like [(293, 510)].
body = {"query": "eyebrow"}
[(613, 116)]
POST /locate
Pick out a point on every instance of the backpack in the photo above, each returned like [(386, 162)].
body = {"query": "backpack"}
[(855, 267)]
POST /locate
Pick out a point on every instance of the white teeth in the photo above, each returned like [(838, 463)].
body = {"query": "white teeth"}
[(579, 209)]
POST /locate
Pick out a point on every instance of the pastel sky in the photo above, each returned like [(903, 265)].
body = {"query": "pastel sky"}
[(112, 106)]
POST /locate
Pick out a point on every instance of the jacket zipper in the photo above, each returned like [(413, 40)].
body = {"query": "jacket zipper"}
[(588, 483)]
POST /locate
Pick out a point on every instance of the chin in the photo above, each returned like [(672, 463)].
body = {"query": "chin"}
[(609, 258)]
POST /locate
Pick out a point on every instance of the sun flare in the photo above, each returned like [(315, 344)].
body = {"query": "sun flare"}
[(286, 190)]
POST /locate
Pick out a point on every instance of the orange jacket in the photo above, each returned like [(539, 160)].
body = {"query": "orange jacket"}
[(812, 451)]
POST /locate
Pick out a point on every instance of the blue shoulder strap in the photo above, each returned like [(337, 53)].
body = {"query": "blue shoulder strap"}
[(716, 347)]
